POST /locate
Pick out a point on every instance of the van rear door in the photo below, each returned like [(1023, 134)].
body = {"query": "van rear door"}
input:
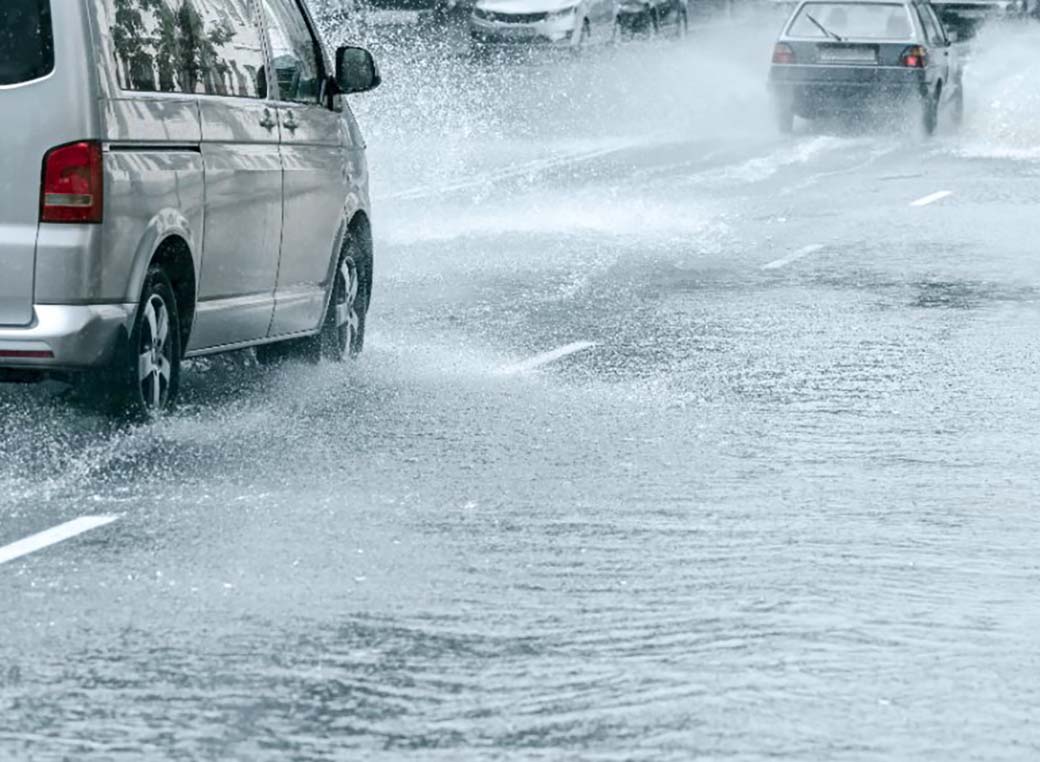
[(44, 102), (26, 59)]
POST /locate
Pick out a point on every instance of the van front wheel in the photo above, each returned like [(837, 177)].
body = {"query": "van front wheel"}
[(343, 334)]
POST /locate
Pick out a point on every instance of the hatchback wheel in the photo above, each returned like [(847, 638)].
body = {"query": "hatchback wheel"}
[(583, 36), (617, 34), (682, 23), (655, 22), (930, 113), (957, 113), (784, 112)]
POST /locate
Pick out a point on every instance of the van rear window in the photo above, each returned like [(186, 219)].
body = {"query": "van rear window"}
[(26, 41)]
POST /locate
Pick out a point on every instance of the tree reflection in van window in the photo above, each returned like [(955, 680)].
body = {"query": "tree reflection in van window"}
[(197, 47)]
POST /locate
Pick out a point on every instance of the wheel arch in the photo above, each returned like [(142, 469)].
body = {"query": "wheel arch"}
[(169, 240), (173, 253)]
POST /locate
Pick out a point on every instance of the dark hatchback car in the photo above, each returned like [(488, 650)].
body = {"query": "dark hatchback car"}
[(967, 17), (865, 55), (654, 17)]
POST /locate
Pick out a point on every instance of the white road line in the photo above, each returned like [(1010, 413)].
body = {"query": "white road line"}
[(509, 173), (546, 357), (52, 536), (931, 198), (794, 256)]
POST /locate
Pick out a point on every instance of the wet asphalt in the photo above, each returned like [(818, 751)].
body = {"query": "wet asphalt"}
[(775, 498)]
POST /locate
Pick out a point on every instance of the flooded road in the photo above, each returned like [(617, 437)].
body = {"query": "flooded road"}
[(773, 498)]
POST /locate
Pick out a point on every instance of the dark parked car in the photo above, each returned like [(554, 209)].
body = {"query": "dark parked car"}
[(859, 55), (654, 16), (966, 17), (436, 12)]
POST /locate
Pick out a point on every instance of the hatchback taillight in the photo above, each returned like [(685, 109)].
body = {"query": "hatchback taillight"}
[(915, 57), (782, 54), (72, 184)]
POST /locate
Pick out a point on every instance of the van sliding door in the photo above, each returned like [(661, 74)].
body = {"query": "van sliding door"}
[(314, 166)]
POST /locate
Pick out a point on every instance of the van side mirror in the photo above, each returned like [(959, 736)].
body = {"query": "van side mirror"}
[(356, 70), (952, 36)]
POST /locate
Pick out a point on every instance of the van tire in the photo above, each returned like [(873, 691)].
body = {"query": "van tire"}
[(342, 333), (143, 379)]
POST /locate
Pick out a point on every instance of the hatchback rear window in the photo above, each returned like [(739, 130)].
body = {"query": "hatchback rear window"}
[(854, 21), (26, 41)]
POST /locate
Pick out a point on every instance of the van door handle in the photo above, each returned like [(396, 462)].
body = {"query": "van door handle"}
[(267, 121), (290, 122)]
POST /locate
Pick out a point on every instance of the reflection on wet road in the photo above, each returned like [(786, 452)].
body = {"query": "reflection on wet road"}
[(779, 504)]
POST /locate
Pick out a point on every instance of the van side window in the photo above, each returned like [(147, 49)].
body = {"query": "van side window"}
[(294, 52), (196, 47)]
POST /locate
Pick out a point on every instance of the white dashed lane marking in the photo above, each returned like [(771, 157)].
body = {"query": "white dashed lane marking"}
[(931, 198), (52, 536), (546, 357), (794, 256)]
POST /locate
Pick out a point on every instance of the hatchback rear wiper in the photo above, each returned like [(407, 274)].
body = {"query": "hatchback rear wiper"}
[(824, 29)]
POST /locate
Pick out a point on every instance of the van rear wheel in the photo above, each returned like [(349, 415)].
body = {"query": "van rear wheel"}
[(144, 377)]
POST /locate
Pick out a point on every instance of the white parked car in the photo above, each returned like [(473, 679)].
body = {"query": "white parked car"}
[(564, 23)]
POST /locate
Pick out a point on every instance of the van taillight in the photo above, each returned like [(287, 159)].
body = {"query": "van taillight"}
[(72, 184), (915, 57), (782, 54)]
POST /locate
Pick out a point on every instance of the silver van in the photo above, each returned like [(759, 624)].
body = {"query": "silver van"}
[(177, 178)]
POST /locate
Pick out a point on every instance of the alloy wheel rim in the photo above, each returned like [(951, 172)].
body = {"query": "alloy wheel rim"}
[(348, 322), (154, 355)]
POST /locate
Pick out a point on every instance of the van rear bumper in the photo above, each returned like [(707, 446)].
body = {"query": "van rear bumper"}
[(65, 337)]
